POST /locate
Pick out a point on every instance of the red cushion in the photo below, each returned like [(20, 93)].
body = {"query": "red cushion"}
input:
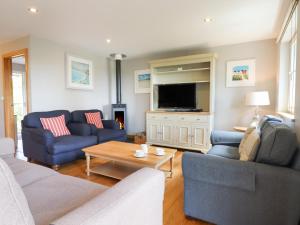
[(57, 125), (94, 118)]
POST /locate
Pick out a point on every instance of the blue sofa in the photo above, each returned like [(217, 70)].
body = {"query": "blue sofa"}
[(42, 146), (221, 189), (111, 130)]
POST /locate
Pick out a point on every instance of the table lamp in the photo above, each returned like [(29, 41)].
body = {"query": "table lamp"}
[(257, 98)]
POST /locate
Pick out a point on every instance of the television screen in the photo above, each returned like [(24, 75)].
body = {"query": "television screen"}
[(177, 96)]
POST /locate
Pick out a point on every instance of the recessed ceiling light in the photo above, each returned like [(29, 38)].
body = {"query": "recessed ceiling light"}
[(108, 41), (33, 10), (208, 20)]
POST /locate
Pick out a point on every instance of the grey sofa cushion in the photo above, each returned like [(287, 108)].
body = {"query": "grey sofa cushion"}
[(13, 204), (225, 151), (296, 160), (278, 144), (230, 138)]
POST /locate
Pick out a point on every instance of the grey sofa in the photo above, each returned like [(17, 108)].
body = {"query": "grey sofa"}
[(32, 194), (221, 189)]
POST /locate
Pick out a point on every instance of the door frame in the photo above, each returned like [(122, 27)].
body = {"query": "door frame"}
[(8, 92)]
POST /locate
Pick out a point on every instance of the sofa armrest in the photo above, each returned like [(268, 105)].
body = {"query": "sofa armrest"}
[(111, 124), (120, 203), (230, 138), (219, 171), (7, 146), (40, 136), (80, 129)]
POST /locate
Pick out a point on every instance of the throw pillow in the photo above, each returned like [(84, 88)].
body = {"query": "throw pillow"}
[(94, 118), (57, 125), (249, 144)]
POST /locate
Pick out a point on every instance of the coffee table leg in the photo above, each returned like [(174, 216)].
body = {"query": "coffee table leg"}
[(171, 167), (88, 159)]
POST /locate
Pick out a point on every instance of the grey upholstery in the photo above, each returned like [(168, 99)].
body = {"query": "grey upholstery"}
[(226, 191), (225, 151), (278, 144), (230, 138)]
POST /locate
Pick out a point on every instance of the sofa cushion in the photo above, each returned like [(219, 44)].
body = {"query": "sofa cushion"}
[(267, 118), (219, 137), (296, 160), (32, 120), (13, 204), (278, 144), (249, 145), (79, 115), (225, 151), (94, 118), (71, 143), (57, 125), (54, 196), (109, 134)]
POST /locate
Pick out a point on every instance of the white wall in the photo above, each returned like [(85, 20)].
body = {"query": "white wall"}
[(229, 109), (5, 48), (48, 79)]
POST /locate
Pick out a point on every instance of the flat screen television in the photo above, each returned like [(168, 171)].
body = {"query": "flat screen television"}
[(177, 96)]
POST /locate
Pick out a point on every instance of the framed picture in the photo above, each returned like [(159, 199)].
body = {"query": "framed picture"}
[(240, 73), (79, 73), (142, 81)]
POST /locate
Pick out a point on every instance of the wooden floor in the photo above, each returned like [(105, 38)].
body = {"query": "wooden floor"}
[(173, 202)]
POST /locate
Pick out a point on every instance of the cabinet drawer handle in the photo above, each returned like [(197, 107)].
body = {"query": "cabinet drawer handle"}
[(165, 117), (182, 118), (198, 119)]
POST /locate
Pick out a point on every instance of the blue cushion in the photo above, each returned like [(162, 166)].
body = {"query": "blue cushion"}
[(225, 151), (32, 120), (79, 117), (278, 144), (71, 143), (109, 134), (232, 138)]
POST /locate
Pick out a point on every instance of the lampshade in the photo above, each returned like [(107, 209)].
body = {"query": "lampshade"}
[(257, 98)]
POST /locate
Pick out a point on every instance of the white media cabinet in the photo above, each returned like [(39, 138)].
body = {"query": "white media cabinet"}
[(187, 130)]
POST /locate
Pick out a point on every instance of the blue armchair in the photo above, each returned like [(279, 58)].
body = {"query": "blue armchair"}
[(42, 146), (223, 190), (111, 130)]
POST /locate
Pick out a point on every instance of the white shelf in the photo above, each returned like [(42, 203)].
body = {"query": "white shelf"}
[(179, 71), (186, 82)]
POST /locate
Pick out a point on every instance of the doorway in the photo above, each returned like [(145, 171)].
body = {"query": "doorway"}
[(16, 94)]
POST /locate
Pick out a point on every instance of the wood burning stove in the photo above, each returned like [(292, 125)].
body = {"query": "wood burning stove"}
[(119, 109)]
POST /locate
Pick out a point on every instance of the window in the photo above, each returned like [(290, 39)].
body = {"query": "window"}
[(287, 64)]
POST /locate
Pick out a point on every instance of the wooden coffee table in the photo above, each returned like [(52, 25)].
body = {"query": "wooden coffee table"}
[(121, 161)]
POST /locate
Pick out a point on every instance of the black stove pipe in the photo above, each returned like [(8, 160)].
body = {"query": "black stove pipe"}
[(118, 81)]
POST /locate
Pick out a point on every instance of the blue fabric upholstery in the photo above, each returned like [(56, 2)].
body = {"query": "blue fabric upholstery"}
[(42, 146), (70, 143), (109, 135), (32, 120), (225, 151), (275, 137), (78, 116), (80, 129), (226, 191), (229, 138), (111, 130)]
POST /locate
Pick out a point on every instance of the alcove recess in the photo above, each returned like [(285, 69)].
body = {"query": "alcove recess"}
[(198, 69)]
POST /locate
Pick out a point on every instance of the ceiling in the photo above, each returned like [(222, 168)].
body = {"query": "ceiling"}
[(139, 27)]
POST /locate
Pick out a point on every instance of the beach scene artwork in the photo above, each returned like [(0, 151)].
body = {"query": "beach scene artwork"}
[(142, 81), (240, 73), (79, 74)]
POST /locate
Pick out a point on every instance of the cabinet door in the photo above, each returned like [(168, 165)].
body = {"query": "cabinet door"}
[(184, 135), (199, 136), (166, 133), (153, 132)]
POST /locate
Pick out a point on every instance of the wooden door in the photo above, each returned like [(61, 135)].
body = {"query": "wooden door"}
[(8, 99), (199, 134), (10, 130), (166, 133), (153, 132), (184, 135)]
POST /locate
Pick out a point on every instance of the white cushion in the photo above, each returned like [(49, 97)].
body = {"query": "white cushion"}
[(249, 144), (13, 204)]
